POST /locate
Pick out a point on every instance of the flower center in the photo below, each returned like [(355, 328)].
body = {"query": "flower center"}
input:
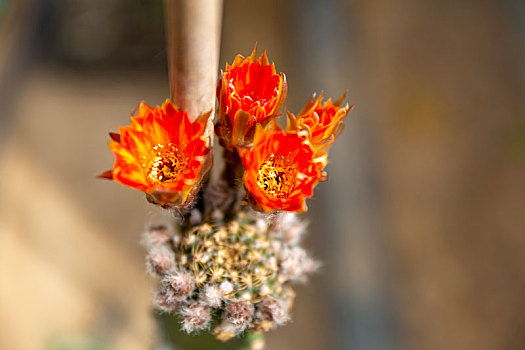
[(167, 164), (277, 176)]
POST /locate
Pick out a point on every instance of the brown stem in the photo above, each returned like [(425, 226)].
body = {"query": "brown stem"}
[(193, 30), (232, 175), (233, 169)]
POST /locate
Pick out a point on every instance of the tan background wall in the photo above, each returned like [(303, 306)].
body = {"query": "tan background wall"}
[(420, 227)]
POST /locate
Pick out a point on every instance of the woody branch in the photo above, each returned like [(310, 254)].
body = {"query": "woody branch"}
[(193, 30)]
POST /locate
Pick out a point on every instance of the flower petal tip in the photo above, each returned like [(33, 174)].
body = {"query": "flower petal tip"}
[(108, 175)]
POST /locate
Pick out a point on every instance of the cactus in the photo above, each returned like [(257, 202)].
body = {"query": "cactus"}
[(225, 270)]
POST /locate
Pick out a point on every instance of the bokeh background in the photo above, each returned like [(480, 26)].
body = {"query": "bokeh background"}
[(421, 226)]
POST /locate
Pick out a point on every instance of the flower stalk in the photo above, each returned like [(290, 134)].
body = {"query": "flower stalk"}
[(193, 29)]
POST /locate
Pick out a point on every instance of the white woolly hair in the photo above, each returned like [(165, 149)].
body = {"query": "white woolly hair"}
[(228, 328), (160, 260), (295, 264), (272, 309), (157, 235), (164, 301), (180, 282), (239, 313), (286, 226), (293, 233), (195, 317), (211, 295), (226, 287)]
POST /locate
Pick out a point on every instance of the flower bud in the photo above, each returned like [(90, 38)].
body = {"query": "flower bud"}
[(165, 301), (180, 283), (195, 317), (239, 313), (271, 309), (160, 260), (157, 235)]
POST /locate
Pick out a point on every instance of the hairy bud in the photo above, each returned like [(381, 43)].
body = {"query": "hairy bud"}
[(239, 313), (180, 283), (157, 235), (165, 301), (160, 260), (195, 317), (272, 310)]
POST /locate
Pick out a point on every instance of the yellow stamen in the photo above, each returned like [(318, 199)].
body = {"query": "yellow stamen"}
[(277, 176), (167, 164)]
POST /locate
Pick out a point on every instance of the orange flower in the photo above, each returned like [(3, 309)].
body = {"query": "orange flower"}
[(322, 121), (281, 169), (161, 153), (250, 91)]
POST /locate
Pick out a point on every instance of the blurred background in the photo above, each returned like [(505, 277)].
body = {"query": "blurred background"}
[(421, 226)]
